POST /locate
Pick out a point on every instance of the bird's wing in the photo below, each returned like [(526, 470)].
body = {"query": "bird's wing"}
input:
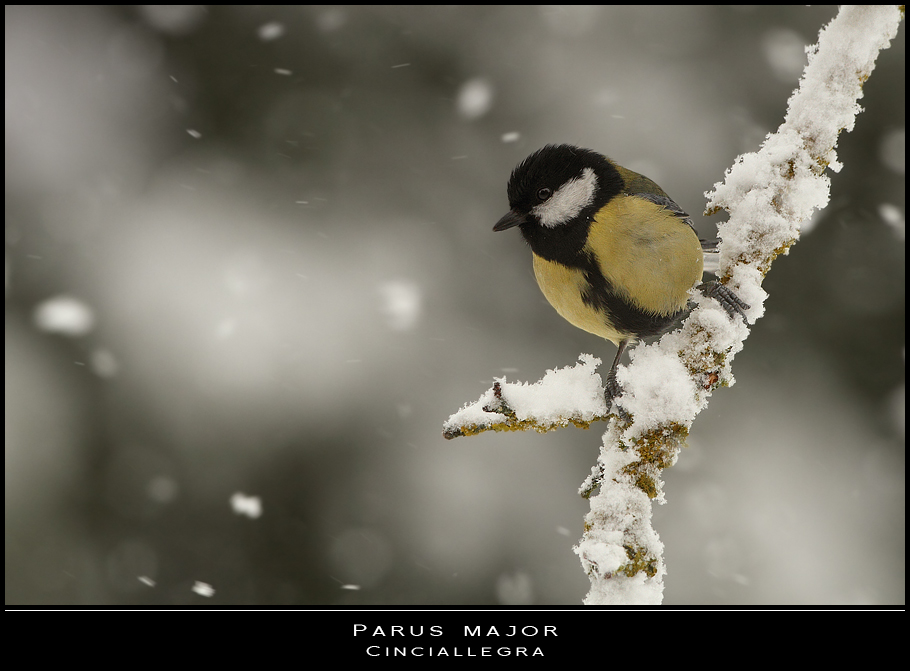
[(640, 186), (668, 204)]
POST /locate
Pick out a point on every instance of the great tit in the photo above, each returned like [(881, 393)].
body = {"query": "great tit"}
[(612, 252)]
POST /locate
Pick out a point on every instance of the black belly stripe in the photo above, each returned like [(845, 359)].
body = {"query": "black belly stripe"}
[(565, 244), (625, 317)]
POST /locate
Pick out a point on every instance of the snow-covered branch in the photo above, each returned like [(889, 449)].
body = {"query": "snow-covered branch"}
[(572, 395)]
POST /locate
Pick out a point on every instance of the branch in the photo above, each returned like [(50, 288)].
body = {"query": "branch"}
[(564, 396)]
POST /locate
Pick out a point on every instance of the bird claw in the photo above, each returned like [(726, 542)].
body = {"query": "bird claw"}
[(612, 391), (729, 301)]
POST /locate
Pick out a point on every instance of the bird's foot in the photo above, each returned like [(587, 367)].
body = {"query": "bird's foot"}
[(728, 300), (613, 391)]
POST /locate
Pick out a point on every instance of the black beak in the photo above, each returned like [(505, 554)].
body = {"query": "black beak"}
[(511, 220)]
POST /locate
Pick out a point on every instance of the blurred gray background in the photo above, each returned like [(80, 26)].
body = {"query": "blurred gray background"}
[(250, 272)]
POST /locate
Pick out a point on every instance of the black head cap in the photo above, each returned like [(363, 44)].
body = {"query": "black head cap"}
[(550, 167)]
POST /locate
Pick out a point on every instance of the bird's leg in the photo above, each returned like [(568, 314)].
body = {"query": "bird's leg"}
[(728, 300), (612, 388)]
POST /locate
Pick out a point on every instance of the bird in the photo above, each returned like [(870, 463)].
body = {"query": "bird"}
[(612, 252)]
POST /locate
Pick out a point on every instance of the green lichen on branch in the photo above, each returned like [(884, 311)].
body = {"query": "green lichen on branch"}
[(515, 425), (639, 560), (657, 450)]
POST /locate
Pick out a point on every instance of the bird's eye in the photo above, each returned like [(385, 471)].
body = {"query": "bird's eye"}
[(544, 193)]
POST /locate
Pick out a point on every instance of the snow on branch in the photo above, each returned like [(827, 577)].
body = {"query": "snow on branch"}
[(571, 395)]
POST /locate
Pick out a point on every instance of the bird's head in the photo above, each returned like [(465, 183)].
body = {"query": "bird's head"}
[(558, 186)]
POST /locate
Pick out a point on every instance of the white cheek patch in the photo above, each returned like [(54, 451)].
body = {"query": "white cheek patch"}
[(569, 199)]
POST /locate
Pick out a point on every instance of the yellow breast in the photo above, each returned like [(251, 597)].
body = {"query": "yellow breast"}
[(563, 287), (651, 258)]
